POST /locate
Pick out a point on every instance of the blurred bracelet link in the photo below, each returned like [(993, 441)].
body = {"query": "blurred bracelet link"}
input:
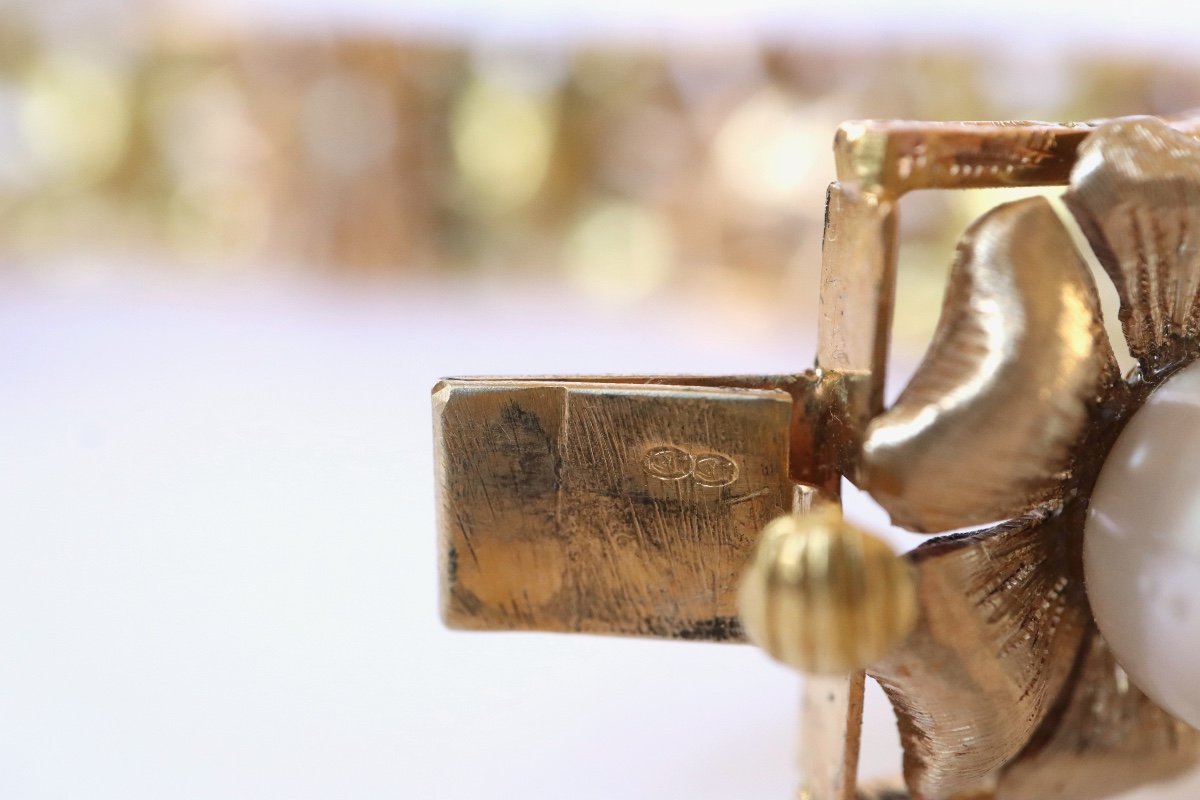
[(626, 168)]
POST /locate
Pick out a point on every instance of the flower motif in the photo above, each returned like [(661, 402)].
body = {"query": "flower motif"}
[(1005, 685)]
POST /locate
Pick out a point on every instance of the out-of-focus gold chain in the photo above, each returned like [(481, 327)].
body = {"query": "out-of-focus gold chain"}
[(627, 168)]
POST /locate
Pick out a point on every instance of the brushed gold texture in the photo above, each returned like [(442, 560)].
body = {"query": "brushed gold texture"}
[(823, 596), (963, 730), (858, 279), (891, 157), (1136, 193), (604, 508), (1109, 739), (1001, 617), (986, 426), (630, 505), (813, 431)]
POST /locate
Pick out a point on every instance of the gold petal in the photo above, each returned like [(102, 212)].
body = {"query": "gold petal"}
[(1002, 615), (985, 428), (1109, 739), (1136, 193)]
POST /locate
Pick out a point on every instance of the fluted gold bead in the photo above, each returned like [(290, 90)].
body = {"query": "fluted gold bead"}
[(825, 597)]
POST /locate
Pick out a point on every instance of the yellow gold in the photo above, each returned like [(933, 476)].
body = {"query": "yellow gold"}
[(1136, 193), (605, 507), (1020, 396), (858, 279), (1107, 741), (638, 505), (892, 157), (823, 596), (1002, 615), (962, 446)]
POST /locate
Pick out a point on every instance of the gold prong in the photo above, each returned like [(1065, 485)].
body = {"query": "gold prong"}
[(823, 596)]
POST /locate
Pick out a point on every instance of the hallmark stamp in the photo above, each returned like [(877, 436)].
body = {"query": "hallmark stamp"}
[(670, 463), (715, 470)]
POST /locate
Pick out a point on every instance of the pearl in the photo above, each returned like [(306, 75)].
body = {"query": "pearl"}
[(1142, 547)]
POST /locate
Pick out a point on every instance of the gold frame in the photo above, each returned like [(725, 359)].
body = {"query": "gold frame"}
[(607, 458)]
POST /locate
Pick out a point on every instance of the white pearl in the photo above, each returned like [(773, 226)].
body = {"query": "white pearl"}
[(1142, 547)]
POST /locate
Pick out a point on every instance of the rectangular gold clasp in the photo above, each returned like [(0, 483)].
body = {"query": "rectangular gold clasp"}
[(607, 506)]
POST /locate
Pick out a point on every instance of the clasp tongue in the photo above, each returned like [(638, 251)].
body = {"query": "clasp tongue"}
[(622, 506)]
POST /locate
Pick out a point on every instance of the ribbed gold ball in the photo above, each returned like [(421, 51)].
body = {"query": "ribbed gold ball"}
[(823, 596)]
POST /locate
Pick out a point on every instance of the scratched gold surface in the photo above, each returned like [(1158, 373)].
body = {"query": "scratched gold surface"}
[(604, 508), (812, 427), (609, 505), (1001, 617)]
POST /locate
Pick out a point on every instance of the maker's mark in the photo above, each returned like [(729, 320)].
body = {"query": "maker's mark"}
[(670, 463)]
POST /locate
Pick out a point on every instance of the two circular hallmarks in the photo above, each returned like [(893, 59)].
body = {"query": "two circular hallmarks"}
[(670, 463)]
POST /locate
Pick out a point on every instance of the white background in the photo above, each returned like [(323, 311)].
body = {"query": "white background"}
[(218, 571)]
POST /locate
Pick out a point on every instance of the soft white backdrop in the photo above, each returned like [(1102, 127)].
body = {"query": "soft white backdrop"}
[(218, 572)]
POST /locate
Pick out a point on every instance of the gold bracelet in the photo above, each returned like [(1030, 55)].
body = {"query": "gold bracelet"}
[(707, 508)]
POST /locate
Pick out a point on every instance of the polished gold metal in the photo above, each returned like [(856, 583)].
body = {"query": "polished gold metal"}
[(823, 596), (603, 505), (889, 158), (878, 162), (963, 445)]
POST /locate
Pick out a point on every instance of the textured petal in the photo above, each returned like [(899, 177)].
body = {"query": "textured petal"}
[(1002, 616), (1109, 739), (985, 428), (1136, 193)]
